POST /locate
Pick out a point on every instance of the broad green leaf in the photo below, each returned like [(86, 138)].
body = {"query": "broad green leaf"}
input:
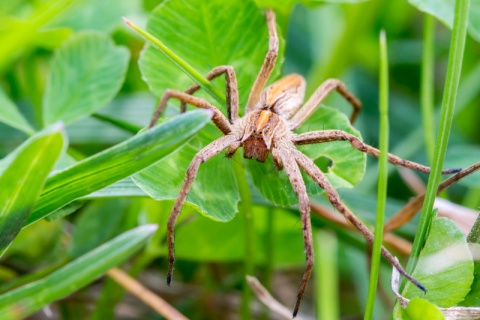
[(117, 162), (462, 156), (443, 10), (26, 300), (214, 192), (10, 115), (87, 71), (445, 266), (23, 180), (203, 34), (419, 309), (206, 196), (347, 164)]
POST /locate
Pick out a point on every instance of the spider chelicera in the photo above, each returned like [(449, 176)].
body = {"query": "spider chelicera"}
[(267, 127)]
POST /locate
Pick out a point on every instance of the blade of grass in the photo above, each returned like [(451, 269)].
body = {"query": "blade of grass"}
[(183, 65), (427, 84), (382, 178), (23, 179), (457, 46), (326, 275), (26, 300), (117, 162)]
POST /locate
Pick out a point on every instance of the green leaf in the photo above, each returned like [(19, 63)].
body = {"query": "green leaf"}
[(445, 266), (10, 115), (419, 309), (462, 156), (105, 15), (214, 192), (87, 72), (443, 10), (23, 179), (347, 164), (473, 297), (117, 162), (208, 38), (26, 300)]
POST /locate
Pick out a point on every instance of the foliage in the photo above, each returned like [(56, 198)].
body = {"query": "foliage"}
[(76, 87)]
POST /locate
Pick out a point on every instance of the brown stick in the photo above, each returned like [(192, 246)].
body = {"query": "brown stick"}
[(410, 209), (148, 297), (268, 300)]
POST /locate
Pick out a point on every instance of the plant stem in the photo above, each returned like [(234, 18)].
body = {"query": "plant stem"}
[(457, 46), (182, 64), (245, 210), (382, 178), (427, 84), (326, 274)]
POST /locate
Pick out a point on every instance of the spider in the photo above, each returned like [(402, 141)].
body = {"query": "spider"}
[(267, 127)]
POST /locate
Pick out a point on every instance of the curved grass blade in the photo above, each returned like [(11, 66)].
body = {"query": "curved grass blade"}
[(23, 179), (117, 162), (26, 300)]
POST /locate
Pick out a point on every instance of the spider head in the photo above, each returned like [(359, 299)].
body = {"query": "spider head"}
[(261, 128)]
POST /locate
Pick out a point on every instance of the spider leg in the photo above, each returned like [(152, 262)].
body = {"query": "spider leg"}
[(318, 96), (319, 177), (231, 88), (203, 155), (339, 135), (218, 118), (295, 177), (268, 63)]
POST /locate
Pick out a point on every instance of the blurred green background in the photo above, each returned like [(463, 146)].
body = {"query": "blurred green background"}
[(322, 40)]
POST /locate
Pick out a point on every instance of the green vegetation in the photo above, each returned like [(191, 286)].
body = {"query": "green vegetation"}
[(82, 185)]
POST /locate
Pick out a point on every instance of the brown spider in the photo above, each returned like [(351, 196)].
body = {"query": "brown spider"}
[(271, 116)]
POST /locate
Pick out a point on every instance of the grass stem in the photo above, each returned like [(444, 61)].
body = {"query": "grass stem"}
[(382, 178), (454, 68)]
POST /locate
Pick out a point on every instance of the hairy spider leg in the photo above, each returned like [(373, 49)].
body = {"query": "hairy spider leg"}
[(318, 96), (268, 63), (232, 94), (218, 118), (208, 152), (321, 136), (295, 177), (319, 177), (231, 89)]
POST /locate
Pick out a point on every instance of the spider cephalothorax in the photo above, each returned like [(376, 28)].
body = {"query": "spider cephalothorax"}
[(267, 127)]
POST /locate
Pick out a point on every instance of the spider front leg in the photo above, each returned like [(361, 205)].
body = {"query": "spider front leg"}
[(318, 96), (339, 135), (231, 89), (218, 118), (203, 155), (319, 177), (268, 63), (295, 177)]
